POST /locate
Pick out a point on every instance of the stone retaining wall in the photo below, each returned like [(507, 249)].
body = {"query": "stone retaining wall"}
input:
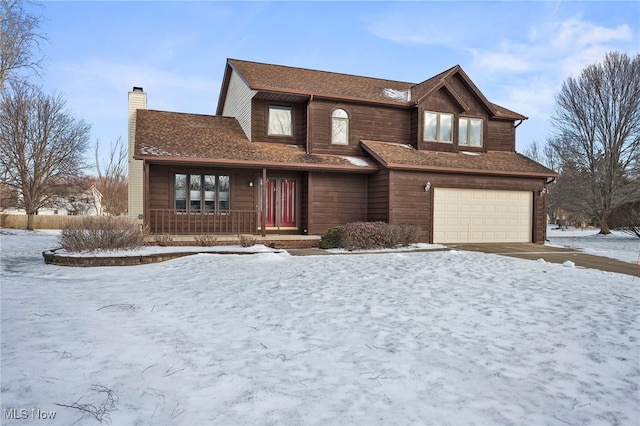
[(51, 258)]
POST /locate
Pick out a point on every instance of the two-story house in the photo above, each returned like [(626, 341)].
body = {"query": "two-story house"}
[(294, 150)]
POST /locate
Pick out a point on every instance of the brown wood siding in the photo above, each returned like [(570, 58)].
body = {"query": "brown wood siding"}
[(414, 132), (260, 108), (501, 135), (304, 203), (411, 204), (159, 187), (476, 106), (378, 205), (365, 122), (539, 229), (336, 199)]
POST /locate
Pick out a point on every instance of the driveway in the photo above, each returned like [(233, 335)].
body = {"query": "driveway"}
[(528, 251), (554, 255)]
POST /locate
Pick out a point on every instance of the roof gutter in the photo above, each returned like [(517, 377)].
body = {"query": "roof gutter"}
[(259, 164), (485, 172)]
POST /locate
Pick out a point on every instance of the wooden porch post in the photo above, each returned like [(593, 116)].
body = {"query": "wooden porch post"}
[(146, 210), (263, 218)]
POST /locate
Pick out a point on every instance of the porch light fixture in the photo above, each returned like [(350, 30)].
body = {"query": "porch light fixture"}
[(427, 187), (250, 183)]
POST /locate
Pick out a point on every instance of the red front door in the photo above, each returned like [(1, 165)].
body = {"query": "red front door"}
[(288, 203), (282, 203), (272, 202)]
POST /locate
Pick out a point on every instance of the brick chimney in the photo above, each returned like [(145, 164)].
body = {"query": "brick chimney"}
[(137, 100)]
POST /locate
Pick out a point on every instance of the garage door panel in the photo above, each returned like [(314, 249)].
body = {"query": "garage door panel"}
[(474, 215)]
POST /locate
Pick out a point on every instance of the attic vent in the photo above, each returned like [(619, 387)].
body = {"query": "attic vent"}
[(397, 95), (138, 89)]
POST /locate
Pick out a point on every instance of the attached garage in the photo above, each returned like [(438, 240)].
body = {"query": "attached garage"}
[(482, 216)]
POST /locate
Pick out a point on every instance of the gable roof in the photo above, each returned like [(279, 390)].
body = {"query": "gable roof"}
[(505, 163), (427, 87), (193, 138), (307, 82)]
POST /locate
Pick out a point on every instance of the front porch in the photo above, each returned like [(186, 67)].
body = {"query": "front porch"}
[(194, 222)]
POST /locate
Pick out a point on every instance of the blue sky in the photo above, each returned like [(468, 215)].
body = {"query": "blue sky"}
[(517, 53)]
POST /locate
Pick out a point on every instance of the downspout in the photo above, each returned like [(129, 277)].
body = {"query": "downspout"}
[(308, 124), (519, 123)]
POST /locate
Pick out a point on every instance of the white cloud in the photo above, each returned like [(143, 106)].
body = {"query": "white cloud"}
[(397, 28), (526, 75), (574, 34)]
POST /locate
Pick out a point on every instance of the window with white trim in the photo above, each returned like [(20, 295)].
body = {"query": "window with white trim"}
[(279, 121), (197, 193), (437, 127), (339, 127), (470, 132)]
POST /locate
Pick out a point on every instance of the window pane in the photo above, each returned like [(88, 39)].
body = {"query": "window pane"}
[(209, 192), (475, 133), (462, 131), (339, 113), (339, 134), (223, 192), (430, 126), (181, 191), (445, 128), (279, 121), (195, 189)]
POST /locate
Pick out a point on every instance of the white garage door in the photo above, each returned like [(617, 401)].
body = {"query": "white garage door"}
[(481, 216)]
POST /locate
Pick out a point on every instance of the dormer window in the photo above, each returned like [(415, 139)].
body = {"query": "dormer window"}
[(339, 127), (280, 123), (438, 127), (470, 132)]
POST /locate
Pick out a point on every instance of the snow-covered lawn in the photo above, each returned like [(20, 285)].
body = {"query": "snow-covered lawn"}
[(617, 245), (447, 337)]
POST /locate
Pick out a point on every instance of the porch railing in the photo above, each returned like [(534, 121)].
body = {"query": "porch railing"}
[(171, 221)]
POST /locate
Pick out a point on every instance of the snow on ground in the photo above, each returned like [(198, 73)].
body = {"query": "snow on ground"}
[(617, 245), (440, 337)]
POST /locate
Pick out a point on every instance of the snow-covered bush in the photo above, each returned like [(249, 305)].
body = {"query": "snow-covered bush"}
[(101, 233)]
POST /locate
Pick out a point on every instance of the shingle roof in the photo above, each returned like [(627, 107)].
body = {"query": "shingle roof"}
[(303, 81), (319, 83), (399, 156), (173, 136)]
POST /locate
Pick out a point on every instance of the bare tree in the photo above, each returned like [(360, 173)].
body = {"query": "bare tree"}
[(19, 40), (41, 147), (112, 178), (597, 120), (533, 152)]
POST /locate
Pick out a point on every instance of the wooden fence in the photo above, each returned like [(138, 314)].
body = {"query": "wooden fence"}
[(19, 221)]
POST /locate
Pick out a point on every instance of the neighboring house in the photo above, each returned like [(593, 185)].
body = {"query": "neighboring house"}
[(88, 203), (313, 150)]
